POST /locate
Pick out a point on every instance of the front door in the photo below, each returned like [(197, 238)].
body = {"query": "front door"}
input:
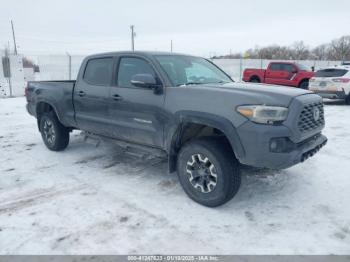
[(279, 74), (275, 74), (91, 95), (136, 114)]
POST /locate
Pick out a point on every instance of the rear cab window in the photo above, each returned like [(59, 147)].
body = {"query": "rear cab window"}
[(331, 72), (98, 71)]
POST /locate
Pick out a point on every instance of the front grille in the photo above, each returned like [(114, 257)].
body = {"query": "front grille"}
[(307, 120)]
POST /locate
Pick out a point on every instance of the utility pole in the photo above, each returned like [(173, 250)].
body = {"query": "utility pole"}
[(69, 66), (14, 38), (171, 45), (133, 34), (7, 69)]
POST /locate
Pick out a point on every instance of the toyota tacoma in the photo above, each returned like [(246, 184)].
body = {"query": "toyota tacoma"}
[(189, 109)]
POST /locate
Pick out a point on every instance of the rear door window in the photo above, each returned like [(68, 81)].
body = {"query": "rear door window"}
[(98, 71), (276, 67), (331, 72)]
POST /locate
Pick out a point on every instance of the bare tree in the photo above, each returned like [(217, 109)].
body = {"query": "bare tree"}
[(340, 49), (320, 52), (300, 51)]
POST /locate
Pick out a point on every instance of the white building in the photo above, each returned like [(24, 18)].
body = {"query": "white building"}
[(14, 86)]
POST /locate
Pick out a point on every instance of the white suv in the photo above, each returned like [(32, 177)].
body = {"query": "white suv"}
[(332, 83)]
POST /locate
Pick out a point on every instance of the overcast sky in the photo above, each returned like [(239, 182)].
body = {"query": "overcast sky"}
[(201, 27)]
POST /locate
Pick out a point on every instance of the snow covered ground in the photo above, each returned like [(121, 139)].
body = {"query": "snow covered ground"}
[(103, 200)]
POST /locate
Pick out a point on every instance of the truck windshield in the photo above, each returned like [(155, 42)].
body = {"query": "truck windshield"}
[(189, 70), (302, 67)]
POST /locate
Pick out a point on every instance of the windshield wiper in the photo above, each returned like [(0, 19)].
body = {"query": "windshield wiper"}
[(199, 83), (190, 83), (220, 82)]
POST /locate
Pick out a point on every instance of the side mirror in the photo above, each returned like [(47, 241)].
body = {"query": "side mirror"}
[(147, 81), (294, 70), (143, 80)]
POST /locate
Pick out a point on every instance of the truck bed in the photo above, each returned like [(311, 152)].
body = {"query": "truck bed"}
[(57, 93), (249, 72)]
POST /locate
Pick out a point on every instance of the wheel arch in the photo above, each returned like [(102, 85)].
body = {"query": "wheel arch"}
[(190, 119), (44, 107), (255, 77)]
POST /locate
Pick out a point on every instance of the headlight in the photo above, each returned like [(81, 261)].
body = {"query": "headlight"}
[(264, 114)]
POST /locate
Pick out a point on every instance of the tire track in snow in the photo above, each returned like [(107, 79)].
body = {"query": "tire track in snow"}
[(36, 197)]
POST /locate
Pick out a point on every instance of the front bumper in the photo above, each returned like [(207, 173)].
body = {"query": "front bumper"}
[(256, 141), (331, 94)]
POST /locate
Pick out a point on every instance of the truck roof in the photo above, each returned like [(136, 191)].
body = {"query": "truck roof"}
[(142, 53)]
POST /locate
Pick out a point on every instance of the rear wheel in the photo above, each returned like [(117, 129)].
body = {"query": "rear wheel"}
[(254, 80), (347, 99), (53, 133), (208, 171)]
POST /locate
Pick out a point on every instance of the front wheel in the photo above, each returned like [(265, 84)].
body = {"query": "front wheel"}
[(347, 99), (208, 171), (304, 85), (53, 133)]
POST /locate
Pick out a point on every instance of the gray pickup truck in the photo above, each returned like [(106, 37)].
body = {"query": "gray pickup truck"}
[(186, 107)]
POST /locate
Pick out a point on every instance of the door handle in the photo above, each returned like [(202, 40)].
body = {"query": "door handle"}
[(81, 93), (116, 97)]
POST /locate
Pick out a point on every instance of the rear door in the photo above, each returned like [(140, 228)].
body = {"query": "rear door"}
[(136, 114), (91, 95), (276, 74)]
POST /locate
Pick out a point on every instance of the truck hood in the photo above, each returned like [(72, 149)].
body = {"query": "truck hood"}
[(256, 93), (307, 74)]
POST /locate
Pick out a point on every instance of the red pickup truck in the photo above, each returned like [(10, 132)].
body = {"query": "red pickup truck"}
[(280, 73)]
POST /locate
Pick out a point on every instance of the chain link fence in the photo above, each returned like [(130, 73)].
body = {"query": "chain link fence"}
[(66, 67)]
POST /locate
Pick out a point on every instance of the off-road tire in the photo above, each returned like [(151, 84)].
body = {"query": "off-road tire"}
[(220, 154), (347, 100), (61, 133)]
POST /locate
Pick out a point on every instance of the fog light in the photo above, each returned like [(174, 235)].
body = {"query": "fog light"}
[(273, 145), (281, 145)]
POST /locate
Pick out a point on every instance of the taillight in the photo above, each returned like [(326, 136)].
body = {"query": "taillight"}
[(341, 80), (26, 92)]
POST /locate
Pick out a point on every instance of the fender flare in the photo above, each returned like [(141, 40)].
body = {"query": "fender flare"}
[(174, 132), (50, 104)]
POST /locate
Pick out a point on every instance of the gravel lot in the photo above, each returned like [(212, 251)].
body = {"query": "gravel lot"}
[(108, 200)]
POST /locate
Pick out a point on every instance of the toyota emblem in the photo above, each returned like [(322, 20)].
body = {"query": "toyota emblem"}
[(316, 114)]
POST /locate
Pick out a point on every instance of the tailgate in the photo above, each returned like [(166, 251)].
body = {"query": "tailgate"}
[(324, 84)]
